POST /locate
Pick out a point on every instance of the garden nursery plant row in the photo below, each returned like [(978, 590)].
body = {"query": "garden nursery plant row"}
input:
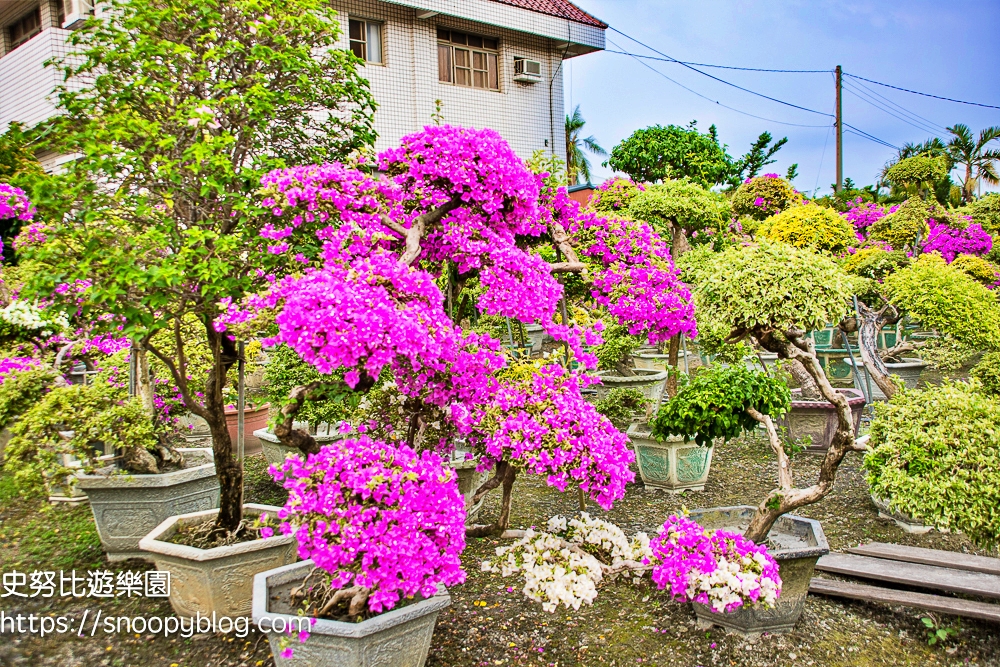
[(270, 397)]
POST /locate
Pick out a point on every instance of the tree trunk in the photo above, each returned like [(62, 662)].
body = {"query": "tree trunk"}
[(871, 323), (785, 499), (807, 385), (227, 468), (672, 358), (678, 240), (143, 380), (504, 475)]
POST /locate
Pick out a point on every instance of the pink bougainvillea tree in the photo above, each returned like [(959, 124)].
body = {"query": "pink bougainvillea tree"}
[(449, 206)]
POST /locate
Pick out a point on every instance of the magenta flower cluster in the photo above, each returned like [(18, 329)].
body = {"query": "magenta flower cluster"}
[(543, 427), (615, 193), (952, 241), (636, 279), (863, 215), (375, 515), (718, 568), (12, 365), (14, 203)]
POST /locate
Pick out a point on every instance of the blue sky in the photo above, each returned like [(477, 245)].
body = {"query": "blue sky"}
[(949, 48)]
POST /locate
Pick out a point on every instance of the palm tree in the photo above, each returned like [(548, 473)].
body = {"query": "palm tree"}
[(577, 164), (971, 153)]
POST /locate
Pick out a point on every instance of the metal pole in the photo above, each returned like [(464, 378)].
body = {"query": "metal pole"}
[(510, 334), (133, 369), (684, 349), (840, 130), (868, 376)]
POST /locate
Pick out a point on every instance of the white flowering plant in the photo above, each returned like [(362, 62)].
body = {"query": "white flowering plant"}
[(567, 564), (21, 319)]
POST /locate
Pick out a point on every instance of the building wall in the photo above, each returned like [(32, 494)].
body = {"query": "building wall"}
[(528, 116)]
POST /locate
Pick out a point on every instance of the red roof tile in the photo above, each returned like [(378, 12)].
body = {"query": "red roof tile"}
[(561, 8)]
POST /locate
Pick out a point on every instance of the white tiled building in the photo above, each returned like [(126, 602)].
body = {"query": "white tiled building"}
[(490, 63)]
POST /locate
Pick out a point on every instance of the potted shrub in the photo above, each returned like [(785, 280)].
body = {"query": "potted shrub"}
[(719, 402), (360, 593), (772, 294), (616, 371), (210, 571), (726, 576), (131, 492), (932, 453), (23, 381)]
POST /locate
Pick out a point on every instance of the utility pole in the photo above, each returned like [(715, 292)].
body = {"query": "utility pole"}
[(840, 132)]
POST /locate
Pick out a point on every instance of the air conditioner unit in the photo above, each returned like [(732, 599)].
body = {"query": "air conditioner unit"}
[(77, 11), (527, 71)]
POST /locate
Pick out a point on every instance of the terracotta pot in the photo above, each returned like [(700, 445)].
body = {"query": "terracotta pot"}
[(253, 420), (818, 419)]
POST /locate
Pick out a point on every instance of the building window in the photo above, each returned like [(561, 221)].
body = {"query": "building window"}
[(25, 28), (468, 60), (366, 40)]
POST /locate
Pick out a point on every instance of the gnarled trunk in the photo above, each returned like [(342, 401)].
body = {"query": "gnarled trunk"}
[(871, 323), (786, 498), (503, 475)]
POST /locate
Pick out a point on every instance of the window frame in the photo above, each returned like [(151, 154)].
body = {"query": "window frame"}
[(36, 12), (471, 58), (367, 25)]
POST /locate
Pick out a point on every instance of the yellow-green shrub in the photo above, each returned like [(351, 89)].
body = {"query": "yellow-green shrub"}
[(978, 268), (761, 197), (809, 226)]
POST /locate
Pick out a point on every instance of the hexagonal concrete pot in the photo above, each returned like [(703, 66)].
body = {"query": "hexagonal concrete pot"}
[(398, 638), (535, 335), (672, 465), (220, 580), (901, 519), (650, 382), (276, 453), (126, 507), (655, 361), (909, 372), (800, 542)]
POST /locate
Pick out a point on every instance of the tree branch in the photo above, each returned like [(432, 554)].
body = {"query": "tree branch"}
[(418, 228), (284, 428)]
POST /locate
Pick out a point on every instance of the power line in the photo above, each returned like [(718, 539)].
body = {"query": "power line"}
[(924, 127), (916, 92), (858, 131), (742, 69), (898, 106), (712, 76), (695, 92)]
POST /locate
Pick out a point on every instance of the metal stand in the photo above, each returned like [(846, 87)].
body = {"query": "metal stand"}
[(240, 408)]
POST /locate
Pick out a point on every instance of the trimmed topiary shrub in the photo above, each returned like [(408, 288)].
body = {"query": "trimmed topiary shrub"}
[(717, 403), (945, 298), (810, 226), (986, 211), (875, 263), (979, 269), (935, 453), (917, 171), (761, 197), (987, 371), (614, 196), (680, 204), (902, 228)]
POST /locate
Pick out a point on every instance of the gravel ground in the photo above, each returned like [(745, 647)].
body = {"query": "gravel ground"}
[(490, 623)]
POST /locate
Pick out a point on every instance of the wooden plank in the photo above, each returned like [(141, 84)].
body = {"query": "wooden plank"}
[(911, 574), (938, 603), (952, 559)]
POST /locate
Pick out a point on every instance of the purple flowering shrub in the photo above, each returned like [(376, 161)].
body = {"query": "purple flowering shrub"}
[(375, 516), (721, 569), (14, 203), (952, 241), (12, 365), (614, 195), (863, 215)]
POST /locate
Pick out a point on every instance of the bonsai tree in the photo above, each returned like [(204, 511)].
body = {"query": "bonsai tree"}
[(918, 174), (181, 109), (809, 226), (761, 197), (369, 304), (678, 209), (933, 454), (660, 153), (772, 294)]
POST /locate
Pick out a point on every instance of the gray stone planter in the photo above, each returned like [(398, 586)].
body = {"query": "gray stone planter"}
[(901, 519), (818, 420), (672, 465), (799, 544), (126, 507), (398, 638), (654, 361), (468, 482), (752, 362), (909, 372), (535, 335), (276, 453), (650, 382), (215, 581)]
